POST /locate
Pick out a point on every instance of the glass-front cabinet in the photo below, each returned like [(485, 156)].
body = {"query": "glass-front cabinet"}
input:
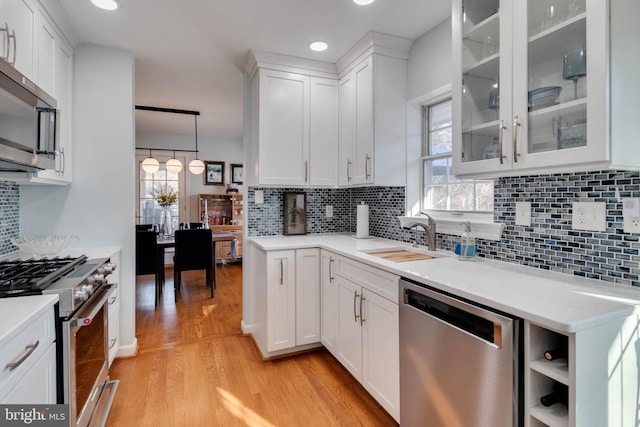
[(525, 90)]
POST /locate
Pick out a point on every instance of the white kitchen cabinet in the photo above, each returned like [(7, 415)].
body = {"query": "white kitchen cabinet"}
[(288, 285), (30, 347), (367, 328), (373, 121), (307, 296), (113, 313), (505, 51), (323, 128), (19, 19), (328, 302), (595, 397), (295, 125), (54, 59)]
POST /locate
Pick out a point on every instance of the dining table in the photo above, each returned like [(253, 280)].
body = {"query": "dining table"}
[(169, 241)]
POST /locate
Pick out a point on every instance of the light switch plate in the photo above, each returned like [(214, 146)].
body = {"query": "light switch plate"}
[(329, 211), (259, 197), (589, 216), (523, 213)]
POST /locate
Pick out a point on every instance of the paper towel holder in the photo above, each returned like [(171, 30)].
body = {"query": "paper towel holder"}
[(295, 213)]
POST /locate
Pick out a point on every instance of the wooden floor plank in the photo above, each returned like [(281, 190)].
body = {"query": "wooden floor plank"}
[(195, 368)]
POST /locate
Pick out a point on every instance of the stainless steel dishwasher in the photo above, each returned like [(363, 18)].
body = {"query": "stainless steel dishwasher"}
[(459, 362)]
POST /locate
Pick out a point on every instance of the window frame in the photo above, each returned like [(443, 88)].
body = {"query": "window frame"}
[(426, 132)]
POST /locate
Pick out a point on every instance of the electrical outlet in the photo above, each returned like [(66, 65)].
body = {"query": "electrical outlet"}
[(590, 216), (631, 215), (523, 213), (329, 211)]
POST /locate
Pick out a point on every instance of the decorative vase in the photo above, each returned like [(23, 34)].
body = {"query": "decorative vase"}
[(165, 221)]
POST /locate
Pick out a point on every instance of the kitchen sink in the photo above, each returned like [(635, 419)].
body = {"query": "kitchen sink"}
[(400, 254)]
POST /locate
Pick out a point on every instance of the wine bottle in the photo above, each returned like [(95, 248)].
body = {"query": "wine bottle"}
[(556, 353), (559, 395)]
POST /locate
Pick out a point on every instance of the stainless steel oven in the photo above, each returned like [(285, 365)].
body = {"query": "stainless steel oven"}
[(81, 328), (87, 388)]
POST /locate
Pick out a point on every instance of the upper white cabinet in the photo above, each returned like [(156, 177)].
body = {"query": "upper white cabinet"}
[(18, 19), (294, 124), (543, 86), (52, 72), (373, 85)]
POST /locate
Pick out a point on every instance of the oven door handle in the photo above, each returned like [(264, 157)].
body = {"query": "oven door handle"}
[(83, 318)]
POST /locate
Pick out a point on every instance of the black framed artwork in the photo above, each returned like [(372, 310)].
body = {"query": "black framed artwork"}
[(213, 173), (237, 173), (295, 213)]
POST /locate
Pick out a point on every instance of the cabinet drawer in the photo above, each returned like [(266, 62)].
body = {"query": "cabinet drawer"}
[(379, 281), (42, 331)]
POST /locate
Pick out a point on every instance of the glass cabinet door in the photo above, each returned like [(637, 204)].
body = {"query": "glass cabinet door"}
[(550, 91), (480, 98)]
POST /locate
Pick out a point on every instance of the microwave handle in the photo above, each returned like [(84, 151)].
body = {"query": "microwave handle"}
[(5, 42)]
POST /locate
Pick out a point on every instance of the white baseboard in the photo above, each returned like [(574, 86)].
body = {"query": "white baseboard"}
[(128, 350)]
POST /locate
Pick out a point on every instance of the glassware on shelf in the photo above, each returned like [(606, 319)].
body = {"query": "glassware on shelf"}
[(490, 46), (574, 67), (494, 99)]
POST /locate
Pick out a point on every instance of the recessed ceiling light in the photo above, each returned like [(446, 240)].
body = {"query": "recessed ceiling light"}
[(318, 46), (106, 4), (363, 2)]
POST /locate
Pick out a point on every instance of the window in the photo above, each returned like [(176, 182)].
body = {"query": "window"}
[(149, 183), (441, 190)]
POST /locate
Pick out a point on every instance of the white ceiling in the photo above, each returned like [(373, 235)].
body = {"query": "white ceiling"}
[(190, 54)]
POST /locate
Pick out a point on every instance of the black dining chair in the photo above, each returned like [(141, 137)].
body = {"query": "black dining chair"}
[(193, 251), (147, 258), (144, 227)]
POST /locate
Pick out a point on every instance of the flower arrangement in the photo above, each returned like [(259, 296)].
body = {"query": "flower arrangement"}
[(165, 198)]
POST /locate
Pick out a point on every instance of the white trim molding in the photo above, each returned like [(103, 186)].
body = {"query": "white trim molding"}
[(482, 225)]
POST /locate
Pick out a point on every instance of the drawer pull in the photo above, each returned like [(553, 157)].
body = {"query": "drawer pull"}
[(112, 343), (30, 349), (112, 300)]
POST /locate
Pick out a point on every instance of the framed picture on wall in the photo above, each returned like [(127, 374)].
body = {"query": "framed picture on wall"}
[(236, 173), (295, 213), (213, 173)]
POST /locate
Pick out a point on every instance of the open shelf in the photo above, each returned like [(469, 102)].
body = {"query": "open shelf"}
[(553, 416), (556, 369)]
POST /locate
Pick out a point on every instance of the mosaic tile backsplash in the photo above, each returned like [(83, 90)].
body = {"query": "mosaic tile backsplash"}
[(9, 215), (549, 243), (385, 203)]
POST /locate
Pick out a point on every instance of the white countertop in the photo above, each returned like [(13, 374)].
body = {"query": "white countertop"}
[(17, 313), (554, 300)]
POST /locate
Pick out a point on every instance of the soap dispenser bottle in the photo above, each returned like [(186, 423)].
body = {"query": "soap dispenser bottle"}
[(467, 244)]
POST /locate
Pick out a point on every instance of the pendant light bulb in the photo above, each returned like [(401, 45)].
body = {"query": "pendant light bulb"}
[(196, 166), (174, 165), (150, 164)]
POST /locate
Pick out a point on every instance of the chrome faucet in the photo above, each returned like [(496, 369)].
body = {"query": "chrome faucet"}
[(429, 228)]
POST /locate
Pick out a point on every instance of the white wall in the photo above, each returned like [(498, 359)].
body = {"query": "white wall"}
[(99, 205), (429, 78), (220, 149)]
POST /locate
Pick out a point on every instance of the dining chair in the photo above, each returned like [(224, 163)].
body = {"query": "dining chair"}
[(193, 251), (144, 227), (147, 258)]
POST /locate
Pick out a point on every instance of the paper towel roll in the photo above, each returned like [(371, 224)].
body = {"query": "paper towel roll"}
[(362, 221)]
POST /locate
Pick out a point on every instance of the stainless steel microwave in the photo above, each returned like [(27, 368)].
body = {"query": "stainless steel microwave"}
[(29, 124)]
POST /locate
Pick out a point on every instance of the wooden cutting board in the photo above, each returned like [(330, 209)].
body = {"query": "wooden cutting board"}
[(401, 255)]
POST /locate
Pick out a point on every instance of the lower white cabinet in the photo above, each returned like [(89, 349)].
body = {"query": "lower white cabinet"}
[(113, 316), (360, 327), (28, 351), (292, 317)]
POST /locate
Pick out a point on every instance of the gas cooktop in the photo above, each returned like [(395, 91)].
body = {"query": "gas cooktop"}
[(32, 276)]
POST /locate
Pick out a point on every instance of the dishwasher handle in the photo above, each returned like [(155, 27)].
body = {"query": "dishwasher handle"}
[(473, 324)]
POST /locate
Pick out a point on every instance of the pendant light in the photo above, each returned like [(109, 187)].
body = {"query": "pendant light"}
[(196, 166), (150, 164), (174, 165)]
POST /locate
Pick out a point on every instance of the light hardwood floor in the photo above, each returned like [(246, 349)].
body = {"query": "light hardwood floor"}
[(195, 368)]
